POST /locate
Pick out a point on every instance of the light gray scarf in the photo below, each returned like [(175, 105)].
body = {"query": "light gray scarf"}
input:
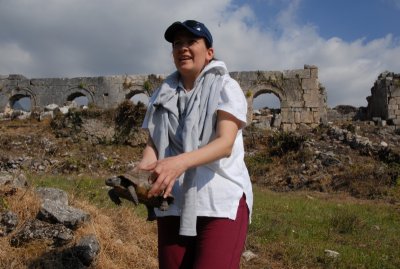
[(182, 123)]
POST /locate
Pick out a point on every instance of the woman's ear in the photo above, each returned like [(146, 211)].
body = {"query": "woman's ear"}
[(210, 54)]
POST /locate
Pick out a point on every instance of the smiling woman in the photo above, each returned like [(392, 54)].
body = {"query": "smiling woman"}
[(195, 151)]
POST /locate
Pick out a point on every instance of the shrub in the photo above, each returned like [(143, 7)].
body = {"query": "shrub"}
[(284, 142), (128, 116)]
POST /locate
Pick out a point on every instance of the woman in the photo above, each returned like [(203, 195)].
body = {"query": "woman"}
[(195, 148)]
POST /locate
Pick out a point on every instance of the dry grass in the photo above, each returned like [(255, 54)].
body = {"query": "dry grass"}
[(127, 241)]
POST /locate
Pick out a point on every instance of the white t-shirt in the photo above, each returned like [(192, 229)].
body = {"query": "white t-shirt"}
[(222, 183)]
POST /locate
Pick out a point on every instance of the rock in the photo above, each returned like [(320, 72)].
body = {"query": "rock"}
[(39, 230), (46, 115), (87, 249), (64, 110), (69, 216), (331, 253), (328, 159), (52, 194), (51, 107), (248, 255), (8, 222), (13, 180)]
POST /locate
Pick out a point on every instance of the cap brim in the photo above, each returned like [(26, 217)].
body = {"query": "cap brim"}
[(175, 27)]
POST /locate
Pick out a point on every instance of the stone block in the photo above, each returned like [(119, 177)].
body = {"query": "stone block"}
[(395, 92), (297, 117), (289, 127), (392, 101), (299, 73), (309, 84), (284, 114), (290, 116), (393, 107), (382, 123), (314, 73), (396, 121), (316, 117), (295, 104), (311, 100), (307, 117)]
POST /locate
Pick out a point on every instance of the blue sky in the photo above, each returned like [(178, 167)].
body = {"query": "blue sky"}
[(351, 42), (348, 19)]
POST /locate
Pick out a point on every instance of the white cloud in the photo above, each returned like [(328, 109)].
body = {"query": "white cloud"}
[(13, 58), (98, 37)]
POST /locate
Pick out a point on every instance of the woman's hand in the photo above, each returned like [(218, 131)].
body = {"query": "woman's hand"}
[(167, 171)]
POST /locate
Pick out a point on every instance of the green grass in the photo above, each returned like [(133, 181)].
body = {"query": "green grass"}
[(296, 229), (93, 190), (293, 229)]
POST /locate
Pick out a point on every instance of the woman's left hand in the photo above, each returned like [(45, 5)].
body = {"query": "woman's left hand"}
[(167, 171)]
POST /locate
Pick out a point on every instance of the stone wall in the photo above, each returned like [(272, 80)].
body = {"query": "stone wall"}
[(303, 99), (384, 101)]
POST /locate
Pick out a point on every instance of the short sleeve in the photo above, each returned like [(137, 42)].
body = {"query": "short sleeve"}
[(232, 100)]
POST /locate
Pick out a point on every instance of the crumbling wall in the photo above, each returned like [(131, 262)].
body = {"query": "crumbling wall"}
[(303, 99), (384, 101)]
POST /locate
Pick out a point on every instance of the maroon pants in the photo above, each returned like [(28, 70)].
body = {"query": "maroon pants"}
[(219, 242)]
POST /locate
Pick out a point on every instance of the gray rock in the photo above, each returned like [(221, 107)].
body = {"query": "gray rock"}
[(8, 222), (13, 180), (248, 255), (331, 253), (52, 194), (38, 230), (87, 249), (54, 212)]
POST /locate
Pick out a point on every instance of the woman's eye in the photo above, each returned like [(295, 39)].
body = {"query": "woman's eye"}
[(177, 43), (192, 41)]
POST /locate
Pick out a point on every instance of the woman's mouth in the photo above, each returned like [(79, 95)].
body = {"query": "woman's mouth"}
[(184, 58)]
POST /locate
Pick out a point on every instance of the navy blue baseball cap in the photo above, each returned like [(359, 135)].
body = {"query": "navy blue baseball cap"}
[(196, 28)]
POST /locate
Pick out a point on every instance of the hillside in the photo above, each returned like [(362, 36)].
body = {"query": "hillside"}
[(354, 160)]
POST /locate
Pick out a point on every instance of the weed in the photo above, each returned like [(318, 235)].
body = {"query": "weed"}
[(258, 164), (128, 116), (344, 221), (82, 85), (147, 85), (283, 142), (3, 204)]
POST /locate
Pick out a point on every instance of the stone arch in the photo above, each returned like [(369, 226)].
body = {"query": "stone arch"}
[(270, 117), (259, 89), (265, 88), (137, 92), (18, 93), (75, 92)]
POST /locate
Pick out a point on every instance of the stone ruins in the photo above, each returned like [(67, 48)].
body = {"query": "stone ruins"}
[(303, 100), (384, 101)]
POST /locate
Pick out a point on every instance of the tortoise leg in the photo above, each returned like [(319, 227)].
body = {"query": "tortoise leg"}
[(114, 197), (151, 215), (133, 194), (164, 204)]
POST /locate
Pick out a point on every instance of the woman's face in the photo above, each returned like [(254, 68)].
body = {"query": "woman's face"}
[(190, 54)]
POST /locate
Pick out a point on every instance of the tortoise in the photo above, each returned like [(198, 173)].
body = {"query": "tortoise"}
[(134, 186)]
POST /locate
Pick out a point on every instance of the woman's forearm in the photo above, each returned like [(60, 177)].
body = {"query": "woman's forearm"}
[(149, 154)]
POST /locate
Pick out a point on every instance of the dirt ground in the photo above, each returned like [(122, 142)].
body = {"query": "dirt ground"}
[(321, 164)]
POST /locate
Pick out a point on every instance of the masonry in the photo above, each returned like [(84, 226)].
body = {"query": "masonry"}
[(384, 101), (302, 98)]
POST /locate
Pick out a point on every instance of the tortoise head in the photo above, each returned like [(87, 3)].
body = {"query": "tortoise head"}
[(113, 181)]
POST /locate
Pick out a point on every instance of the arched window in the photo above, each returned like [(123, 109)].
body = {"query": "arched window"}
[(21, 102), (79, 98), (140, 97)]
